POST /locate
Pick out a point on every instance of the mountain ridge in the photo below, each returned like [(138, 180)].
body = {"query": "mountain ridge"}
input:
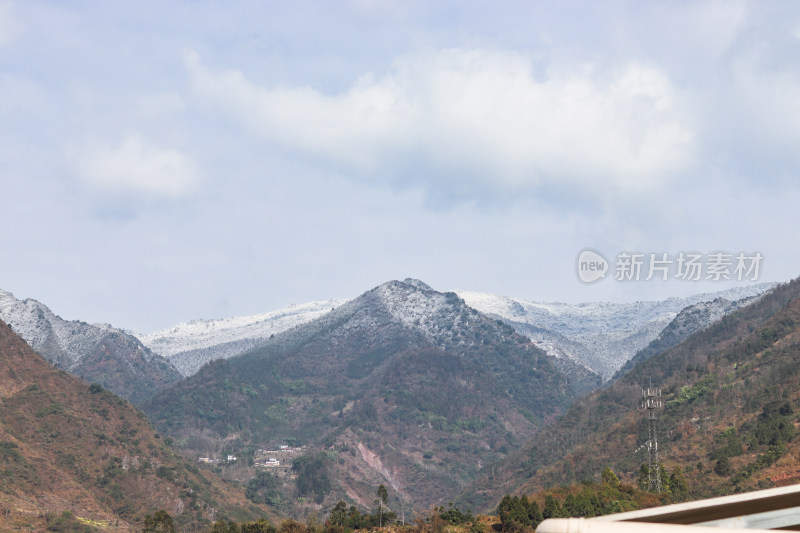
[(189, 345), (600, 335), (555, 327), (97, 352)]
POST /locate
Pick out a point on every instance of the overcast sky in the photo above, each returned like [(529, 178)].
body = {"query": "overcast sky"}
[(165, 161)]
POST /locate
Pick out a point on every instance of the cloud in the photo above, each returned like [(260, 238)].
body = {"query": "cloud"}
[(138, 166), (476, 118)]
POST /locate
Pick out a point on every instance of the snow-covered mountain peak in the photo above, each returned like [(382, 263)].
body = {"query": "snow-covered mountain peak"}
[(419, 307), (97, 352), (40, 327)]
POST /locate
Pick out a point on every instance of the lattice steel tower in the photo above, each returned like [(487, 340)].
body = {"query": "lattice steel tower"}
[(651, 400)]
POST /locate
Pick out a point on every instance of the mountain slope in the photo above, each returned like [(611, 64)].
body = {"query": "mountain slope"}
[(731, 390), (602, 336), (404, 385), (190, 345), (69, 446), (98, 353), (690, 320)]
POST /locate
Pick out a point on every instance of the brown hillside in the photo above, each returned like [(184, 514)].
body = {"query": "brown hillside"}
[(69, 446)]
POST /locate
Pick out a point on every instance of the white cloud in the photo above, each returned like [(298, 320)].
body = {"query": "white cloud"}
[(481, 115), (137, 166)]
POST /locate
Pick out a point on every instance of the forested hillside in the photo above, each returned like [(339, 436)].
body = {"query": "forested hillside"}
[(732, 392)]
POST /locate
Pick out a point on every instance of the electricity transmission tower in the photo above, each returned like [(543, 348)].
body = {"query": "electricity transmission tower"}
[(651, 400)]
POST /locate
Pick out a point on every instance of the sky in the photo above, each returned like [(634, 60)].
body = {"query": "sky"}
[(168, 161)]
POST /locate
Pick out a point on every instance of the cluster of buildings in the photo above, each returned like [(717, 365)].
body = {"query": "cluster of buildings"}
[(280, 459), (209, 460)]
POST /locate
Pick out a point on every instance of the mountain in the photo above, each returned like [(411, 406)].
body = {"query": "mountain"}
[(602, 336), (67, 446), (690, 320), (403, 385), (96, 352), (731, 394), (190, 345)]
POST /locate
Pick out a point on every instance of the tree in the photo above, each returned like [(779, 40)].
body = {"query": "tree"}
[(666, 487), (680, 489), (338, 516), (580, 505), (534, 514), (644, 477), (224, 526), (512, 512), (312, 476), (552, 509), (161, 522), (518, 513), (263, 488), (383, 497), (723, 467), (262, 526), (610, 477), (291, 526)]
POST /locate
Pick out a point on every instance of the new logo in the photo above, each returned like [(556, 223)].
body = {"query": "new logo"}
[(591, 266)]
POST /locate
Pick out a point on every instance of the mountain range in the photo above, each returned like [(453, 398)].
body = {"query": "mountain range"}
[(603, 336), (427, 392)]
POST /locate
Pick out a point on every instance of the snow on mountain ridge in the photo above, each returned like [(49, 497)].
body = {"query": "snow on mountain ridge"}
[(40, 327), (201, 333), (599, 335), (97, 352), (603, 335), (190, 345)]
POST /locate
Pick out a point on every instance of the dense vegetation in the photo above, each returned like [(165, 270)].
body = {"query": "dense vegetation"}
[(344, 520), (588, 499)]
